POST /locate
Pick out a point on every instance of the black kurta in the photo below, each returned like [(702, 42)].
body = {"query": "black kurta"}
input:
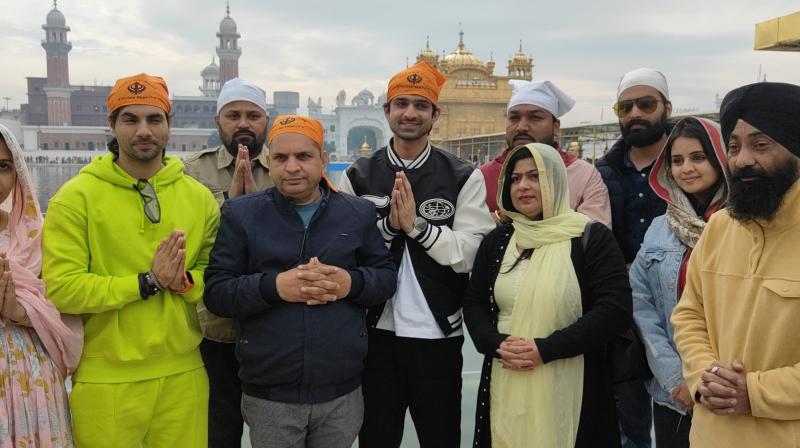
[(607, 312)]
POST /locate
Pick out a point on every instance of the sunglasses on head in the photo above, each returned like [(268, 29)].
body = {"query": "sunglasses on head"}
[(646, 104), (151, 207)]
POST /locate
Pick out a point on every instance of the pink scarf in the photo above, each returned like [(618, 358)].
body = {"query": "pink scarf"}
[(62, 336)]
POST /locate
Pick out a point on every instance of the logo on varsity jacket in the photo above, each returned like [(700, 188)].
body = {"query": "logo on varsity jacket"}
[(437, 209), (379, 201)]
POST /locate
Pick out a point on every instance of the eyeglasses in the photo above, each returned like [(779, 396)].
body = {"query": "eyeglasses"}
[(151, 207), (646, 104)]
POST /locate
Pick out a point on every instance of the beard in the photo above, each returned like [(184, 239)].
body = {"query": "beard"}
[(523, 139), (648, 134), (760, 197), (249, 139)]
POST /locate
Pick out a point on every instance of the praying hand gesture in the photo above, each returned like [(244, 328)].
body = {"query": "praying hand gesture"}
[(243, 180), (9, 306), (403, 211), (169, 261)]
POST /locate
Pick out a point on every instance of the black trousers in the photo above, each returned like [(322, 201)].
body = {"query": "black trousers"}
[(672, 428), (421, 375), (225, 422)]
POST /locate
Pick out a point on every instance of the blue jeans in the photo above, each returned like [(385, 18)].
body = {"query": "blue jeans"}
[(635, 410)]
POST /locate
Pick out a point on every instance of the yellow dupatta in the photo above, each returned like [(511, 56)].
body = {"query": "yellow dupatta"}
[(542, 407)]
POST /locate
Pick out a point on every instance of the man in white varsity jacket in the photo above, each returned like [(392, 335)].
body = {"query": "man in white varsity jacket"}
[(432, 214)]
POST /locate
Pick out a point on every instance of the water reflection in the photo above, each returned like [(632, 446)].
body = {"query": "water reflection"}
[(47, 179)]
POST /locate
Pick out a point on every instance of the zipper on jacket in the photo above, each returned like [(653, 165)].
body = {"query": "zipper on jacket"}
[(306, 232)]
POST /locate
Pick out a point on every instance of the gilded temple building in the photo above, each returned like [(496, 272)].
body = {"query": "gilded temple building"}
[(473, 100)]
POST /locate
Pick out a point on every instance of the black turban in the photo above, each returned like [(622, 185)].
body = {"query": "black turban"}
[(771, 107)]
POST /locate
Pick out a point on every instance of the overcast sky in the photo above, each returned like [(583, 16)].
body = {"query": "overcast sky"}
[(318, 47)]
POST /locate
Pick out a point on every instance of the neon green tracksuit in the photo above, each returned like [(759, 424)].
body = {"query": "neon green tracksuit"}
[(96, 240)]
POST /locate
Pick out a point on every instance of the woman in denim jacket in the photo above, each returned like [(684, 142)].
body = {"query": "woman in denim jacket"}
[(690, 174)]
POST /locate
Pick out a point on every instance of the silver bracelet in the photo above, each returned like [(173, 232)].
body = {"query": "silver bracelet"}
[(155, 280)]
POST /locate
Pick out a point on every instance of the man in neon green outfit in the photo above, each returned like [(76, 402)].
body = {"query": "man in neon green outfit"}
[(125, 244)]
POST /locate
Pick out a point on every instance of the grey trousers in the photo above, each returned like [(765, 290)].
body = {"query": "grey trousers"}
[(333, 424)]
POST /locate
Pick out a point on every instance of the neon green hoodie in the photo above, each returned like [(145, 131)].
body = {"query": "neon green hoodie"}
[(96, 240)]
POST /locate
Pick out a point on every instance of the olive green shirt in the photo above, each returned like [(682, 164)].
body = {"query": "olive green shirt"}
[(214, 168)]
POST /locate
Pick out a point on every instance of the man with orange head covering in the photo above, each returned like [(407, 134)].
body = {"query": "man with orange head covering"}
[(125, 243), (299, 296), (432, 214)]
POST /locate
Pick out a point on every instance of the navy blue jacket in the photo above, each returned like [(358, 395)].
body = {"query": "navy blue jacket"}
[(293, 352), (611, 168)]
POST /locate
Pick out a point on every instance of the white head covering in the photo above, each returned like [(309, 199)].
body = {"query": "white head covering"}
[(644, 77), (544, 94), (237, 89)]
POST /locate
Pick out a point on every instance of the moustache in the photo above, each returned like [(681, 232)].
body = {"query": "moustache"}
[(640, 122), (241, 134), (748, 172), (523, 136)]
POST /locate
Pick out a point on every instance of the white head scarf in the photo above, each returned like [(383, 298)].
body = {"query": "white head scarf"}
[(644, 77), (237, 89), (544, 94)]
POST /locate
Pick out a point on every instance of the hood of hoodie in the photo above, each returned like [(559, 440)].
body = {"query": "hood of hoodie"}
[(106, 169), (664, 185)]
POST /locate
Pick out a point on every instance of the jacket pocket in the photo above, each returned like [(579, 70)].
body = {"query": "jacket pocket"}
[(653, 257), (788, 289)]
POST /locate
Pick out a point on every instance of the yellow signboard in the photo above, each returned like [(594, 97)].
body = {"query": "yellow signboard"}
[(781, 34)]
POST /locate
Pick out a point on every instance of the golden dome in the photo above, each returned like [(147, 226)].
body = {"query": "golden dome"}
[(520, 56), (427, 52), (365, 149), (462, 58)]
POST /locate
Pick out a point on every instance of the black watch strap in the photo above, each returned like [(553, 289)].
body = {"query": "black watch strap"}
[(147, 286)]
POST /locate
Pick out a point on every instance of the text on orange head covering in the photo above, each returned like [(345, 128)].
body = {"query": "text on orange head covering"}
[(421, 79), (139, 89), (298, 124)]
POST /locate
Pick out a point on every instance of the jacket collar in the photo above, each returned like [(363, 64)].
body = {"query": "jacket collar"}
[(395, 160), (224, 158)]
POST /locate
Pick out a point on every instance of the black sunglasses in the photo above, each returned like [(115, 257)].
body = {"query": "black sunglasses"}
[(646, 104), (151, 207)]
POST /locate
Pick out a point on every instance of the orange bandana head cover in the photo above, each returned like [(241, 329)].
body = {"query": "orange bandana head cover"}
[(139, 89), (421, 79), (298, 124)]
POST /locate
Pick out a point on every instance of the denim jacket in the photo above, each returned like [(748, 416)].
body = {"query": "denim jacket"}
[(654, 279)]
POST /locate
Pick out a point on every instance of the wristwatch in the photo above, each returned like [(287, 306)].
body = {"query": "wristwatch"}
[(420, 224), (147, 285)]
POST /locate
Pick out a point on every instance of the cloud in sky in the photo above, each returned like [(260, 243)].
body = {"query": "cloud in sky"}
[(704, 48)]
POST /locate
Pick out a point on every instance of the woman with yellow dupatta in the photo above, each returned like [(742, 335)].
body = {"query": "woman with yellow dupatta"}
[(542, 304)]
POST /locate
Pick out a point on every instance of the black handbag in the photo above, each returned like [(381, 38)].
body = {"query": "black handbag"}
[(625, 352), (627, 357)]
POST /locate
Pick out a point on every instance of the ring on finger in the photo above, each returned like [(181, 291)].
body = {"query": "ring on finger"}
[(714, 370)]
